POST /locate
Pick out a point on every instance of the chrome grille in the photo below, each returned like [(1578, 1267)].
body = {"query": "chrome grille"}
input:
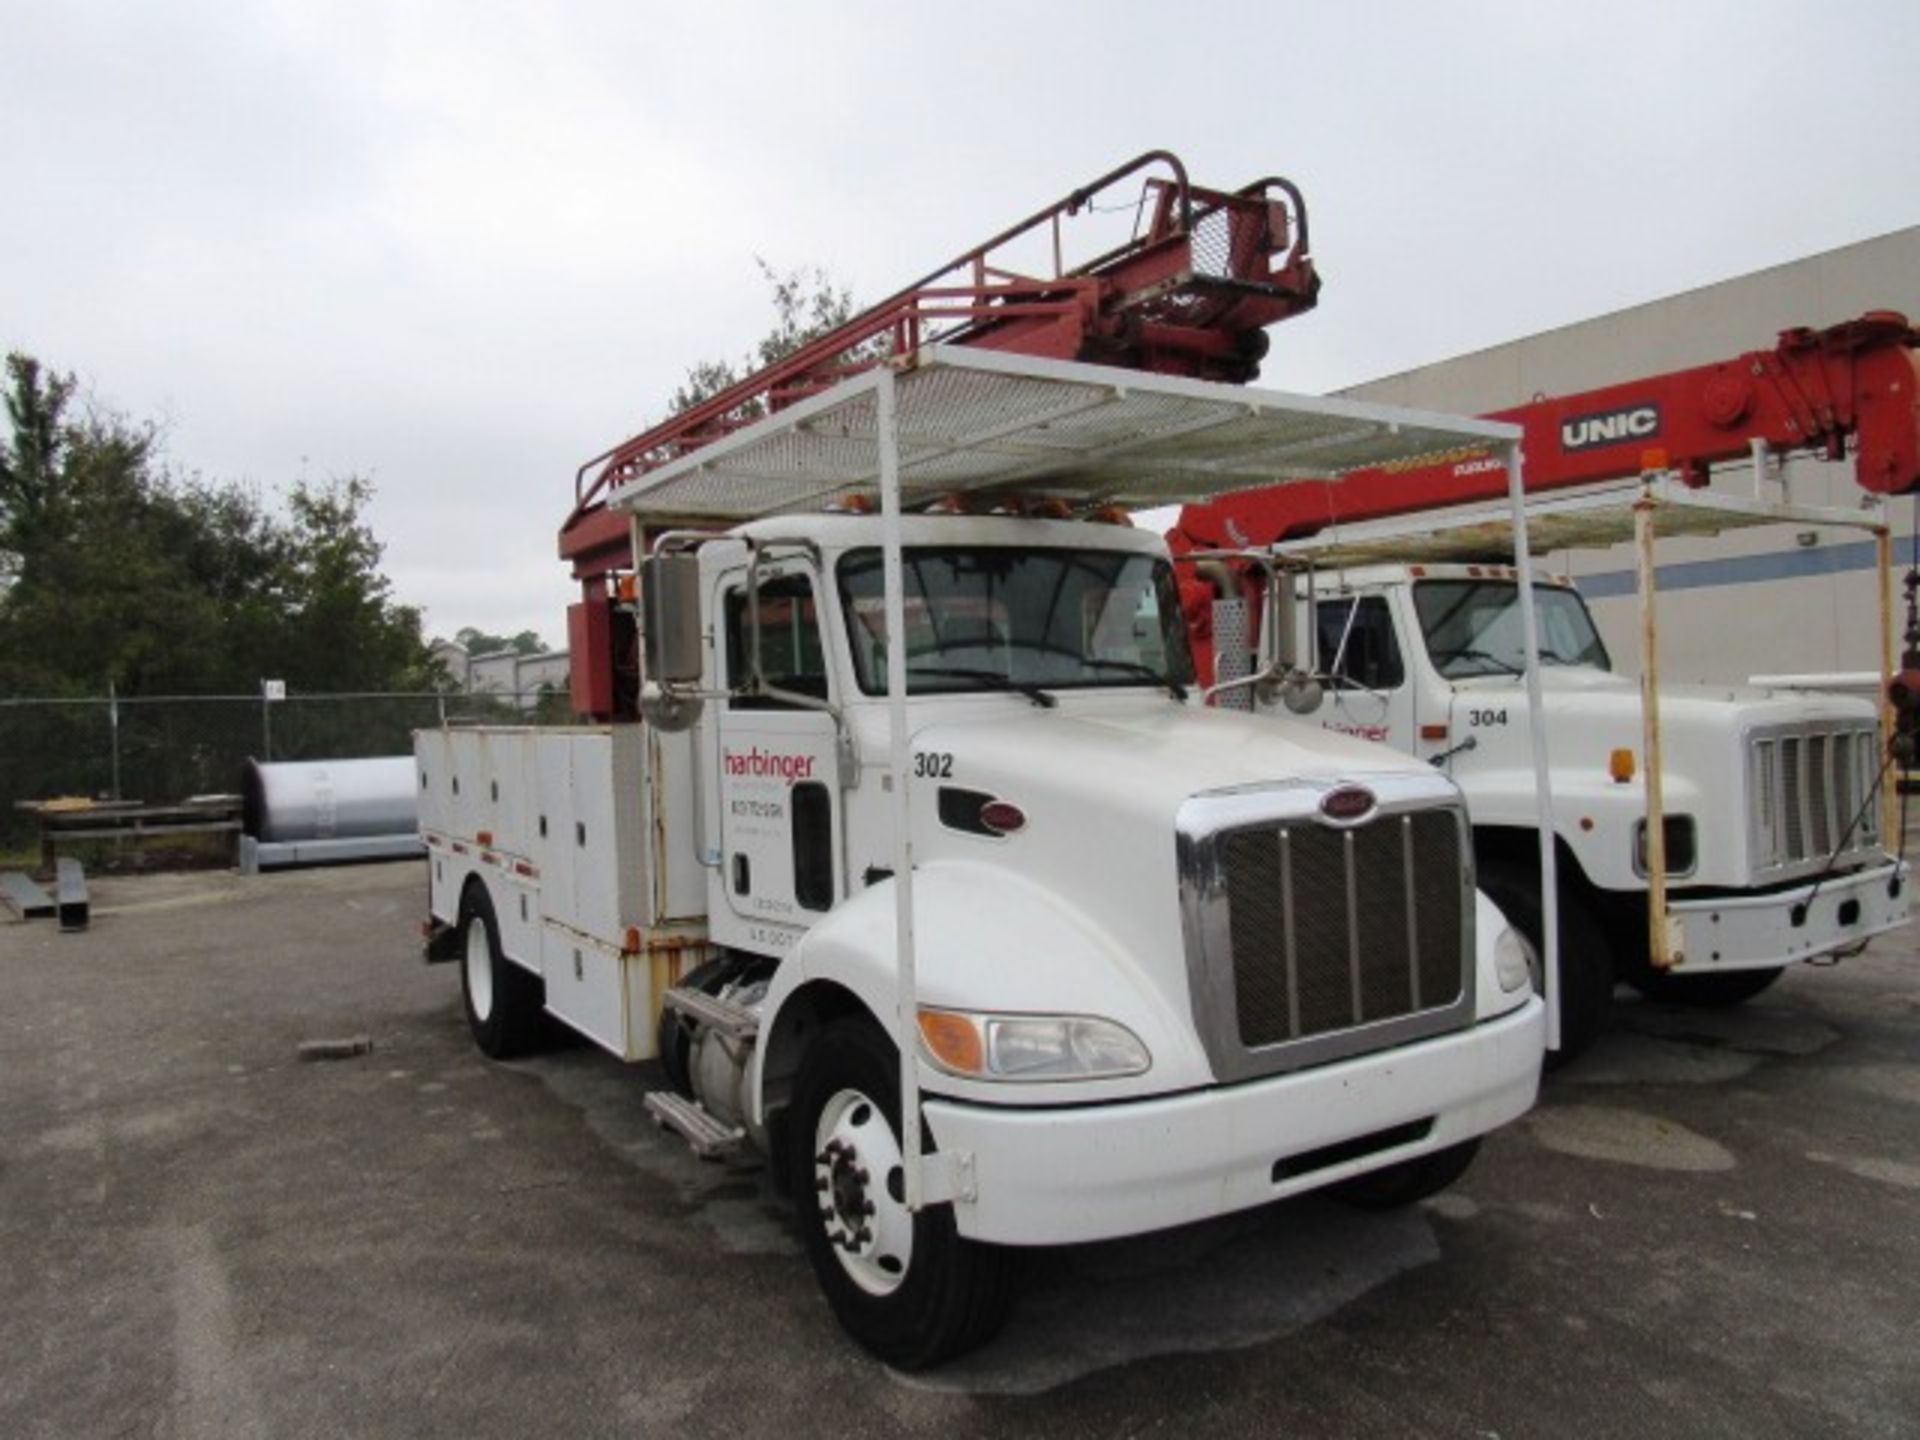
[(1806, 787), (1332, 928), (1310, 940)]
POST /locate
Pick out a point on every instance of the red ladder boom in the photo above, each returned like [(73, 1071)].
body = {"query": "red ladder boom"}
[(1190, 293)]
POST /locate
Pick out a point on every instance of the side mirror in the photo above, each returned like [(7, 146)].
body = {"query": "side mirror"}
[(670, 618)]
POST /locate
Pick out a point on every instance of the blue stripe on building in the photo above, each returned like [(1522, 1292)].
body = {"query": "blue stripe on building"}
[(1793, 564)]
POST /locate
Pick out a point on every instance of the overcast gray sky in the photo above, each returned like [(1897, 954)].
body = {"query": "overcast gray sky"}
[(460, 247)]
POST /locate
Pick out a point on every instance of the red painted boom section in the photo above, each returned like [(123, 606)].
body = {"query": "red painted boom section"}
[(1191, 294), (1815, 390)]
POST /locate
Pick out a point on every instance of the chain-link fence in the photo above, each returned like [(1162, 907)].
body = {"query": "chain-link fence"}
[(163, 749)]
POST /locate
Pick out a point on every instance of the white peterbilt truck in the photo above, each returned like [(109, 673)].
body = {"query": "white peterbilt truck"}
[(928, 875), (1773, 807)]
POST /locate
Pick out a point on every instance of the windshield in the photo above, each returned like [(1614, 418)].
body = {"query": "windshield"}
[(993, 618), (1472, 627)]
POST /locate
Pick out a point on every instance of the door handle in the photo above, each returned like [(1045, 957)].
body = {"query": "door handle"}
[(742, 873)]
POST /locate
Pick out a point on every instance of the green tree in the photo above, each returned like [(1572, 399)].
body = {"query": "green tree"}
[(346, 630), (807, 303), (114, 571), (480, 642), (36, 407)]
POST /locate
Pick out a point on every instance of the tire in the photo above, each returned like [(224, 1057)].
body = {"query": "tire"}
[(1409, 1181), (673, 1038), (504, 1001), (1586, 965), (945, 1294), (1730, 987)]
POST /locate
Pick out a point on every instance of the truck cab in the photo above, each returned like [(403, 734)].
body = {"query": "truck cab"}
[(1085, 830), (1772, 816)]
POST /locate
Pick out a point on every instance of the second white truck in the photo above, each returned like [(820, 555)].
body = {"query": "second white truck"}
[(1772, 800)]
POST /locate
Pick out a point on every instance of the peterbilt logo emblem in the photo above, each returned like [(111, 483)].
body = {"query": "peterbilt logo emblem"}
[(1347, 804), (1610, 427)]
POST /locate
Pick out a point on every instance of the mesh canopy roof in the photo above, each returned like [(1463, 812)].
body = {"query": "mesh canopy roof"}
[(1589, 520), (979, 421)]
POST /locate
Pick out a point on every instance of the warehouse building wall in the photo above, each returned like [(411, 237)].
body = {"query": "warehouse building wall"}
[(1769, 600)]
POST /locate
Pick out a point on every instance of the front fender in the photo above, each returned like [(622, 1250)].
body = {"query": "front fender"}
[(1594, 818), (987, 939)]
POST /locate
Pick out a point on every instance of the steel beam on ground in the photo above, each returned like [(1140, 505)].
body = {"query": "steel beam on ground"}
[(70, 893), (28, 900)]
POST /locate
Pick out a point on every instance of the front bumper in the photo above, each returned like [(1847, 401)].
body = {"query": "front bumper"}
[(1053, 1177), (1757, 932)]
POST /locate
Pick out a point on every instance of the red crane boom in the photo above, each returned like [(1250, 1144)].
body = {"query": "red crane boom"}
[(1190, 293), (1815, 390)]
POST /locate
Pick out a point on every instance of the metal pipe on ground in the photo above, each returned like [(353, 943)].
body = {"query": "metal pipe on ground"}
[(319, 812)]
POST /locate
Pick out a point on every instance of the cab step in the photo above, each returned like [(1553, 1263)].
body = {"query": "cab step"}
[(736, 1022), (710, 1139)]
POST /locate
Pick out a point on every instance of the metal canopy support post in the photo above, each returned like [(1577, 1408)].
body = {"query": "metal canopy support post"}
[(113, 732), (887, 441), (1890, 838), (1537, 732), (1659, 948)]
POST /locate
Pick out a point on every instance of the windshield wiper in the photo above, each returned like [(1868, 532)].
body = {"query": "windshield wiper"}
[(993, 679), (1468, 652), (1145, 672)]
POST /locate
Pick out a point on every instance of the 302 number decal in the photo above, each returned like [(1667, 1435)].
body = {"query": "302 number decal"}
[(1486, 717), (933, 765)]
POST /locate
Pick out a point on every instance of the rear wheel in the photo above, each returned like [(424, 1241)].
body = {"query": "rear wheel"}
[(1586, 966), (1395, 1185), (503, 1000), (1729, 987), (908, 1287)]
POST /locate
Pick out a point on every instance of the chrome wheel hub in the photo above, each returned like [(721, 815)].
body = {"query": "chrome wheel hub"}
[(860, 1185), (479, 967)]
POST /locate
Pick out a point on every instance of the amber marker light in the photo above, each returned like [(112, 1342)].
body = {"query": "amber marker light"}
[(953, 1040), (1620, 766)]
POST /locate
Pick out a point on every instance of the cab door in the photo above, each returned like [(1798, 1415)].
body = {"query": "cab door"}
[(1368, 690), (777, 759)]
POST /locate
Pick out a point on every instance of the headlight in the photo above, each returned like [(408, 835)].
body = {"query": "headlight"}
[(1031, 1047), (1514, 961)]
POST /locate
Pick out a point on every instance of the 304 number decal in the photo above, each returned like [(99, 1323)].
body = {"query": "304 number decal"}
[(1486, 717), (933, 765)]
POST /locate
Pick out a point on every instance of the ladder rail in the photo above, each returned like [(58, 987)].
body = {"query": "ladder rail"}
[(974, 299)]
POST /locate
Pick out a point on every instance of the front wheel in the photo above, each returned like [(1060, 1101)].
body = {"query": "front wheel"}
[(1586, 965), (1713, 991), (908, 1287)]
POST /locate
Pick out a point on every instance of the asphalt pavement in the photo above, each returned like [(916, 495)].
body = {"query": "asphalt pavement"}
[(1710, 1226)]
